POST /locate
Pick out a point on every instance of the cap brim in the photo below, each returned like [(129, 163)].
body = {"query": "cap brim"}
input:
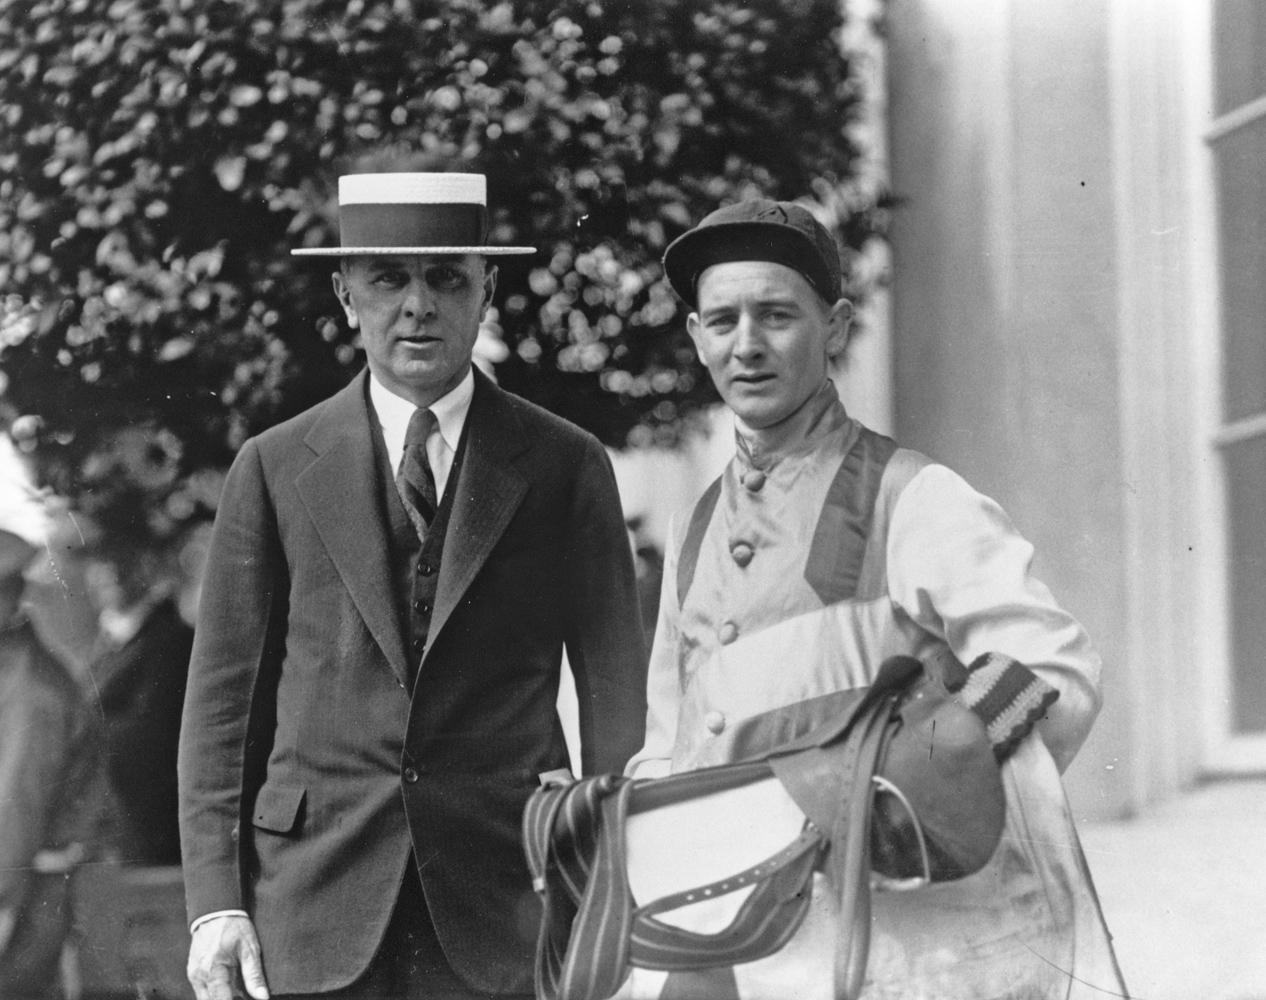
[(485, 251)]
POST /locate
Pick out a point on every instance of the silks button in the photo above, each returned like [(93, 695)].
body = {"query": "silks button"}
[(742, 553), (754, 480), (715, 722), (727, 633)]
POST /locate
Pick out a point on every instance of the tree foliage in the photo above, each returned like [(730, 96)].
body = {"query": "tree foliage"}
[(159, 158)]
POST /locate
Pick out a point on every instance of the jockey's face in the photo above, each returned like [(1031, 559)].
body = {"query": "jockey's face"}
[(766, 337)]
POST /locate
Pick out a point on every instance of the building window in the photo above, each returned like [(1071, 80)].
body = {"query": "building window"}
[(1237, 140)]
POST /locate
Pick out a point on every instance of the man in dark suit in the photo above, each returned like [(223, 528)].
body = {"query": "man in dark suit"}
[(392, 579)]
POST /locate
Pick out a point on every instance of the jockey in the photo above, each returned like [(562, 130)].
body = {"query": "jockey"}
[(823, 549)]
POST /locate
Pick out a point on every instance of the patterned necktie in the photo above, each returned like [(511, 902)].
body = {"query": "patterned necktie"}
[(415, 481)]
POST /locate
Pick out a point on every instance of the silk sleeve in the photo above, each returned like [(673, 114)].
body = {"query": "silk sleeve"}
[(958, 568)]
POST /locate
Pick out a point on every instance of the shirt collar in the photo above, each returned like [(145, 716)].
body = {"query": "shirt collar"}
[(450, 409), (394, 412), (820, 415)]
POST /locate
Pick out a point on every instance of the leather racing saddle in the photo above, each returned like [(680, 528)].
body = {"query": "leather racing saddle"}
[(902, 787)]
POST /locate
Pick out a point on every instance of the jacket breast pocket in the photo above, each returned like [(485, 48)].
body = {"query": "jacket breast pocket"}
[(279, 808)]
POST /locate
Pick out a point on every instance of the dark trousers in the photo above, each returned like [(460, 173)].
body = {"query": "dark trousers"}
[(409, 964)]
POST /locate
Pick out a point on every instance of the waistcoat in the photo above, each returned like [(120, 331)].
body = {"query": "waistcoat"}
[(415, 564)]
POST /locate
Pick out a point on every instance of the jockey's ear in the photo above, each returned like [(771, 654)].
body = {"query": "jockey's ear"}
[(839, 322)]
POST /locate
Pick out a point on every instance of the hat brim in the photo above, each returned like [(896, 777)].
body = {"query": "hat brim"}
[(485, 251)]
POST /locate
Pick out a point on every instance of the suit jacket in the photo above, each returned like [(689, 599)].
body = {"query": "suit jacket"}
[(309, 773)]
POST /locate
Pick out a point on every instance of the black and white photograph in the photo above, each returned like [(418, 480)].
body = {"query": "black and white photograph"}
[(632, 499)]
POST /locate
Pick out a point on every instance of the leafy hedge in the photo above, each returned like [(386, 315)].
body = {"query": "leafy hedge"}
[(158, 158)]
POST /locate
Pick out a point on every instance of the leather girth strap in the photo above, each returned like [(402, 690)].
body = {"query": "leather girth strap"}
[(592, 931), (832, 786)]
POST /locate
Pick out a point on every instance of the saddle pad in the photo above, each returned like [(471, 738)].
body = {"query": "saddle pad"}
[(699, 841), (678, 847)]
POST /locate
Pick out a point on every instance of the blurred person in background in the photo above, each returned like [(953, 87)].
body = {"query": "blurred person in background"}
[(648, 563), (139, 666), (51, 790), (390, 584)]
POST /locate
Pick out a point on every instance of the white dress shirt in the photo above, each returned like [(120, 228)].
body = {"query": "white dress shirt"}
[(394, 414)]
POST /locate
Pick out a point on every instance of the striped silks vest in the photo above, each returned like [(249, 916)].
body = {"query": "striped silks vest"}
[(575, 837)]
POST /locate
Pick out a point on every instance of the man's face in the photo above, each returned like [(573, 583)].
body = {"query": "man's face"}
[(765, 336), (418, 317)]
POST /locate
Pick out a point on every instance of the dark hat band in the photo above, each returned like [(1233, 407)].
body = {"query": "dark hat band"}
[(412, 225)]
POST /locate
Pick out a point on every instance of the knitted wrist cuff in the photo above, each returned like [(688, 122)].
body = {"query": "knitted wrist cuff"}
[(1008, 697)]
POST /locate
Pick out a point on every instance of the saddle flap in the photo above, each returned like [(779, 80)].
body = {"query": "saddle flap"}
[(941, 759)]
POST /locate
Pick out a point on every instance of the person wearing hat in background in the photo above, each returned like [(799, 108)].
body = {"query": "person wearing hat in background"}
[(822, 550), (391, 581), (52, 787)]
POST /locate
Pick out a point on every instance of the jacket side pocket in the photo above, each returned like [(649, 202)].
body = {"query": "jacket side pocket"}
[(278, 808)]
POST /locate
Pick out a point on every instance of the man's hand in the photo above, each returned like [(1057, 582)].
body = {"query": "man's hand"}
[(220, 946)]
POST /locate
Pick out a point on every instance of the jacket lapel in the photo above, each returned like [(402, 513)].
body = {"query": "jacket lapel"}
[(339, 491), (489, 491)]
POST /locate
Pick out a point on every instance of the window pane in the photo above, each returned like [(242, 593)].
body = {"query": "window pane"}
[(1246, 496), (1241, 171), (1239, 39)]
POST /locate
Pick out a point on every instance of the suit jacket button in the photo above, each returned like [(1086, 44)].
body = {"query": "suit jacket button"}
[(727, 633), (425, 568), (715, 722), (754, 480), (742, 553), (418, 644), (411, 775), (421, 606)]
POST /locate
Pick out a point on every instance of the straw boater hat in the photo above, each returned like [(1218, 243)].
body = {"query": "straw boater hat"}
[(412, 213)]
